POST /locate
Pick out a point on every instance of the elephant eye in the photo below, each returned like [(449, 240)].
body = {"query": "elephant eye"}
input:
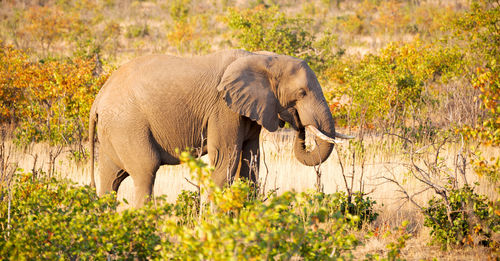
[(301, 93)]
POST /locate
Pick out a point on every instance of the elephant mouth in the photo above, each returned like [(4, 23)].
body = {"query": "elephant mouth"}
[(324, 142), (291, 116), (321, 135)]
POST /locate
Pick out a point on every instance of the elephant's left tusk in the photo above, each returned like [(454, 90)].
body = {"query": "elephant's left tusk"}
[(343, 136), (321, 135)]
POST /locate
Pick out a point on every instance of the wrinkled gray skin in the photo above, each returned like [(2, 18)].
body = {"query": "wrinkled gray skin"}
[(217, 103)]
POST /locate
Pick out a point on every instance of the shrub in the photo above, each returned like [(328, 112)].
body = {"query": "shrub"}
[(54, 219), (49, 100), (479, 34), (308, 225), (394, 247), (390, 18), (463, 218), (187, 35), (56, 27), (385, 88), (276, 229), (360, 206), (187, 207), (137, 30), (45, 25), (358, 209), (179, 10), (268, 29), (12, 63)]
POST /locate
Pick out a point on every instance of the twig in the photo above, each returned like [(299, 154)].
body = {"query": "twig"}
[(353, 169), (192, 183), (424, 176), (317, 169), (265, 165), (343, 172), (8, 211), (464, 161)]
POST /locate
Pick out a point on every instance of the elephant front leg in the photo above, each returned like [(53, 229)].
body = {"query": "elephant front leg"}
[(225, 161), (225, 137), (224, 158)]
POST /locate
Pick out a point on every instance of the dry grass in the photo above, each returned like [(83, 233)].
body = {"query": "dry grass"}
[(282, 172), (418, 248)]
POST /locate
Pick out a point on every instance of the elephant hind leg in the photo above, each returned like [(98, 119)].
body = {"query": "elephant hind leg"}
[(108, 171), (143, 188), (141, 161)]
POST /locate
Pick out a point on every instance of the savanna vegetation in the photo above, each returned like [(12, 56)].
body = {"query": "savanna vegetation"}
[(416, 82)]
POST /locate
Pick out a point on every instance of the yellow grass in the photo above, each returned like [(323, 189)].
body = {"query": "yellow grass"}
[(280, 171)]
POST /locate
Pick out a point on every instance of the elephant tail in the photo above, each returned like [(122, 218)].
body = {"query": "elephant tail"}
[(92, 124)]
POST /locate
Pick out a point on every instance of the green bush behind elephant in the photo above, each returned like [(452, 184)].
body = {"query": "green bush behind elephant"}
[(216, 103)]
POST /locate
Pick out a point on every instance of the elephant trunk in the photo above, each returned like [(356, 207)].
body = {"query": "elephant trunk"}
[(324, 143)]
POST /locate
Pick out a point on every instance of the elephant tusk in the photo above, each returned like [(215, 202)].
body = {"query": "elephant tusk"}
[(320, 134), (343, 136)]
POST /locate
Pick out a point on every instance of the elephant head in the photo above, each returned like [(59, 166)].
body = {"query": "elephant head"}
[(272, 89)]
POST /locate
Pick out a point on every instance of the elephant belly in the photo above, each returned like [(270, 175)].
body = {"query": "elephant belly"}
[(178, 140)]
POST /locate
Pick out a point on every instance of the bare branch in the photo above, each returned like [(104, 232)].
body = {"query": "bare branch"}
[(192, 183), (343, 171)]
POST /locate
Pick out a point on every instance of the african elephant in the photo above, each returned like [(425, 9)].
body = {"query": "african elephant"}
[(217, 103)]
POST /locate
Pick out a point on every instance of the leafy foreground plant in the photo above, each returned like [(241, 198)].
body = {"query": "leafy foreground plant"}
[(244, 227), (55, 219), (464, 217)]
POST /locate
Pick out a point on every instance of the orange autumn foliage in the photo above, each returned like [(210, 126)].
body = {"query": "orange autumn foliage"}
[(47, 100)]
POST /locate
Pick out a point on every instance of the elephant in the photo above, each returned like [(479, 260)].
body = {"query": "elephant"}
[(217, 103)]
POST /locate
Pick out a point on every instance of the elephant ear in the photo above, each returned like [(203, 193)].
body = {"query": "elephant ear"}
[(246, 89)]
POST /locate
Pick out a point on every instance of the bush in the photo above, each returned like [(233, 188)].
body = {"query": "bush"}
[(360, 206), (385, 89), (54, 219), (50, 99), (187, 207), (189, 35), (137, 30), (358, 209), (477, 31), (12, 63), (264, 231), (463, 218), (268, 29), (179, 10), (308, 225), (45, 25)]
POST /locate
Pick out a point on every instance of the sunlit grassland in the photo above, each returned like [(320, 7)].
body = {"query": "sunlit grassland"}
[(384, 156), (417, 81)]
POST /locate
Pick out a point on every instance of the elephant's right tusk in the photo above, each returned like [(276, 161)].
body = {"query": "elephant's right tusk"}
[(324, 137), (343, 136)]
